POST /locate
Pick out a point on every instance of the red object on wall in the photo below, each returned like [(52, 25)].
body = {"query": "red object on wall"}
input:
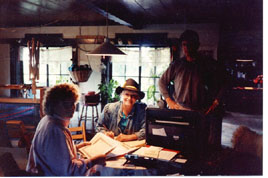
[(258, 79)]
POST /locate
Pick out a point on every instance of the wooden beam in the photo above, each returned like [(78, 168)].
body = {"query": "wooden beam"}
[(112, 17)]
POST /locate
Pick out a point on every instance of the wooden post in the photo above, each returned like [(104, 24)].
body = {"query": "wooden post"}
[(42, 93)]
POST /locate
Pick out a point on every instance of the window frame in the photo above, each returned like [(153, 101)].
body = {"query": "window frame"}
[(48, 74), (139, 77)]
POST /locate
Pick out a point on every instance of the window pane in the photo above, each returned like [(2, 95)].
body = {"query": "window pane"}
[(153, 62), (131, 57), (126, 65), (119, 69), (65, 78), (58, 61), (52, 79), (148, 70), (54, 69), (148, 55), (42, 80), (146, 82), (132, 70), (120, 80), (56, 54), (65, 66)]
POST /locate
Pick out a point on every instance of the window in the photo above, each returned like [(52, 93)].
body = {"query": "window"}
[(54, 63), (145, 64)]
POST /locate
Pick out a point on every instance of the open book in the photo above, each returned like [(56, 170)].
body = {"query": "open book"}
[(102, 144)]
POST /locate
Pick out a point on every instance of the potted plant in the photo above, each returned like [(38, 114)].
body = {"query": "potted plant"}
[(107, 92)]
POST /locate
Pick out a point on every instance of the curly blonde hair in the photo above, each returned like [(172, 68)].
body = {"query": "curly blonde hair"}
[(59, 93)]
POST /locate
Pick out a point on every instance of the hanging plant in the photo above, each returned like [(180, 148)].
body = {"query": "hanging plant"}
[(80, 73)]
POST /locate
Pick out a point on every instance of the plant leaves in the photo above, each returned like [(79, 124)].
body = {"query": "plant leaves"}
[(151, 92)]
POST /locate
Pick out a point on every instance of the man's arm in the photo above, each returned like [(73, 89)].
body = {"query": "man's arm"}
[(221, 82), (103, 123), (163, 83)]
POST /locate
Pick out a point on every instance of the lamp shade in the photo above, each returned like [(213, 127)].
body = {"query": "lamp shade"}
[(106, 49)]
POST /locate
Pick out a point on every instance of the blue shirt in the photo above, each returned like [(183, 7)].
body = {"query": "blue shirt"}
[(53, 152), (123, 122)]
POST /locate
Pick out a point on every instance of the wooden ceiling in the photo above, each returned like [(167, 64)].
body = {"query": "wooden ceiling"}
[(133, 13)]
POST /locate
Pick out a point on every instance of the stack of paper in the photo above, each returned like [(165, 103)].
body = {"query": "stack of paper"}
[(151, 151), (135, 143), (102, 144), (155, 152), (98, 146)]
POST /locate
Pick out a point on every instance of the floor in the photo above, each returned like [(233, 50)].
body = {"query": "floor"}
[(231, 121)]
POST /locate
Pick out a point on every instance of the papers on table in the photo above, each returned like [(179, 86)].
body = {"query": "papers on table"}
[(180, 160), (102, 144), (155, 152), (135, 143), (167, 155), (98, 147)]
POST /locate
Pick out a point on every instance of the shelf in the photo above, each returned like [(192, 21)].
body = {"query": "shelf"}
[(19, 100)]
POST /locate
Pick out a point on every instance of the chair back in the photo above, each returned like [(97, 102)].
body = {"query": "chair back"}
[(17, 130), (78, 133)]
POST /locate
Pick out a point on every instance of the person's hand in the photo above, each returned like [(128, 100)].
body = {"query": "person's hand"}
[(173, 105), (110, 134), (99, 159), (213, 106), (121, 137), (82, 144)]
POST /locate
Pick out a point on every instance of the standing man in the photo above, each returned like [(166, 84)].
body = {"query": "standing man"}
[(199, 82)]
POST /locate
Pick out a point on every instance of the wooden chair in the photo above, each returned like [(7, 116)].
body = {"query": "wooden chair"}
[(78, 133), (18, 131)]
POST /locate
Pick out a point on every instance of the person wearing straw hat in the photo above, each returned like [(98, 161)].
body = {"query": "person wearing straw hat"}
[(124, 120)]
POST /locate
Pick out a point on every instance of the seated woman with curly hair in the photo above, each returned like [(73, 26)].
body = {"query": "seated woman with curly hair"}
[(52, 151)]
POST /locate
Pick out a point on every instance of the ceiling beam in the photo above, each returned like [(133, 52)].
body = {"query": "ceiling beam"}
[(104, 13)]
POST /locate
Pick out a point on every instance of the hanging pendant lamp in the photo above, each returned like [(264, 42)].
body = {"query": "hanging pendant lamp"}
[(106, 48)]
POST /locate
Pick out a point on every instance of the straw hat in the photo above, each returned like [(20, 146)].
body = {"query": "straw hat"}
[(130, 85)]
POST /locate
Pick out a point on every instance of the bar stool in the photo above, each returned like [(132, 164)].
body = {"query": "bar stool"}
[(84, 115)]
